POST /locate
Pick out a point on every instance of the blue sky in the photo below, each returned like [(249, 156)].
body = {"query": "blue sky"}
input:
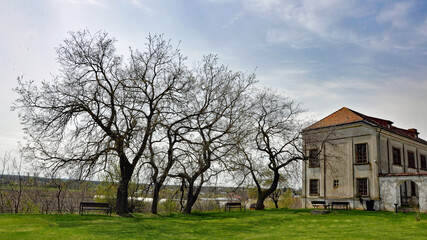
[(370, 56)]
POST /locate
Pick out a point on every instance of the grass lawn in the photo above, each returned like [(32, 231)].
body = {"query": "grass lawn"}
[(268, 224)]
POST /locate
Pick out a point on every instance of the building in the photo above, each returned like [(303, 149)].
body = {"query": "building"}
[(354, 158)]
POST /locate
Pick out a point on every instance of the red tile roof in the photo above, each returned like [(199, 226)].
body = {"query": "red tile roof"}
[(342, 116), (346, 115)]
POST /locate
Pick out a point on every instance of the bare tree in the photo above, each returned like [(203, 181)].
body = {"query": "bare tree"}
[(215, 105), (160, 160), (100, 111), (16, 184), (273, 141)]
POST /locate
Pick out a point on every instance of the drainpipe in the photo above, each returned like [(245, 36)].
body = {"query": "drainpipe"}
[(352, 166), (305, 175), (379, 167), (324, 171)]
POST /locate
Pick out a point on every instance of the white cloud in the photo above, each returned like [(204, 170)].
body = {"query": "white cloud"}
[(350, 84), (365, 24), (396, 14), (235, 18), (316, 16), (140, 4), (99, 3), (422, 29), (295, 38)]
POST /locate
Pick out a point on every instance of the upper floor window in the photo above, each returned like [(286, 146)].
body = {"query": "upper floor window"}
[(362, 186), (313, 160), (362, 153), (423, 162), (411, 159), (314, 187), (396, 156)]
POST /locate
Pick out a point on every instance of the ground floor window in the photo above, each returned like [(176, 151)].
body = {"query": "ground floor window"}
[(314, 187), (362, 187), (336, 183), (413, 189)]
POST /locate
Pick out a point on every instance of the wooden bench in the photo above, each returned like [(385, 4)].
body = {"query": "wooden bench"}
[(343, 205), (317, 204), (94, 206), (231, 205)]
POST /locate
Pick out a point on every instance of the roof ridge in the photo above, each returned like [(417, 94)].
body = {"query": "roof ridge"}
[(368, 117)]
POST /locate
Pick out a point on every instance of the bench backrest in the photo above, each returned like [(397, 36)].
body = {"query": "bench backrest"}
[(318, 202), (338, 203), (94, 204)]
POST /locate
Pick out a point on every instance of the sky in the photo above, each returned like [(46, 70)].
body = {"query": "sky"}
[(369, 56)]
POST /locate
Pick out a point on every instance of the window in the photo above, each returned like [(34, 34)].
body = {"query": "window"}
[(313, 160), (362, 186), (413, 189), (336, 183), (411, 159), (314, 187), (423, 162), (396, 156), (362, 153)]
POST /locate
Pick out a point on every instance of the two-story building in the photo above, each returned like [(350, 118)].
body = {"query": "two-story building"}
[(354, 158)]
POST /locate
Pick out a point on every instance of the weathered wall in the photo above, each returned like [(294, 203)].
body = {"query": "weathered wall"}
[(390, 140), (339, 165), (390, 191)]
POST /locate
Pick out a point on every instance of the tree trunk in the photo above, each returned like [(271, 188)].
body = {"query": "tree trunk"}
[(275, 203), (192, 198), (189, 204), (262, 195), (126, 170), (58, 199), (260, 201), (155, 202), (18, 200)]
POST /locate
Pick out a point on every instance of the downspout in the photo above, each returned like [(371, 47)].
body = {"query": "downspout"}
[(305, 175), (324, 171), (379, 152), (352, 166), (379, 165)]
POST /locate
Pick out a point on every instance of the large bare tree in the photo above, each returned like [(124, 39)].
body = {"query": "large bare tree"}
[(272, 142), (215, 106), (99, 110)]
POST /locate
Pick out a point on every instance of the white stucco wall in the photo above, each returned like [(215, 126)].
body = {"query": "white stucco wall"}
[(390, 191)]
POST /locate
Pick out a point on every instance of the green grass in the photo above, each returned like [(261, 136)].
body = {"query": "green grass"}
[(268, 224)]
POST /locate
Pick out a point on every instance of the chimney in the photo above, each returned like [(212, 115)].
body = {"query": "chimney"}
[(414, 131)]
